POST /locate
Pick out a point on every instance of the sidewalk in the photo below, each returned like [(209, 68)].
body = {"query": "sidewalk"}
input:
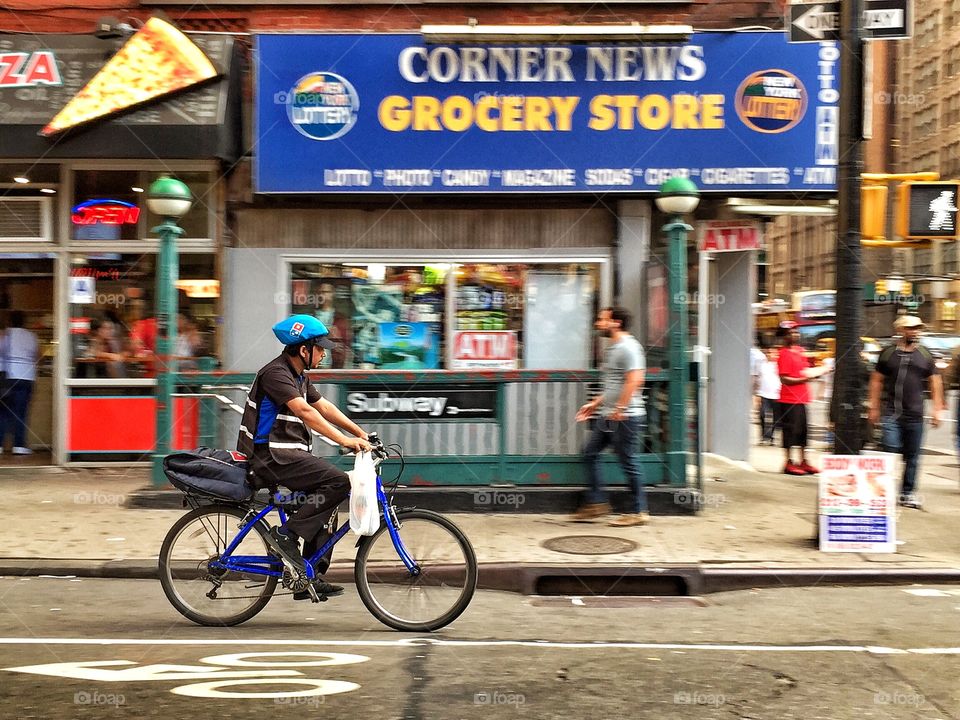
[(756, 523)]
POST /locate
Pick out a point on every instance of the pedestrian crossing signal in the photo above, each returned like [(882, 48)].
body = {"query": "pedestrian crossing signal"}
[(928, 210)]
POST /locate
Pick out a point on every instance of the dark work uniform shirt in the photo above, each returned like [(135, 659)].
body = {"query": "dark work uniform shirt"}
[(268, 423), (905, 376)]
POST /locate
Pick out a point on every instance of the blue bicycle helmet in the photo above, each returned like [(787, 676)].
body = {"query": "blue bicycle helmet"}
[(298, 329)]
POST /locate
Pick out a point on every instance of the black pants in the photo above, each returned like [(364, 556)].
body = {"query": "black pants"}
[(324, 485), (793, 422)]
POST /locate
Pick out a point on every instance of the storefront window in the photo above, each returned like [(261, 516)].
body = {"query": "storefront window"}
[(112, 314), (506, 316), (110, 205), (524, 315), (382, 316)]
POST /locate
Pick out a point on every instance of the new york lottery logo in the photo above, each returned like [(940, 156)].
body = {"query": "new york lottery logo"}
[(322, 106)]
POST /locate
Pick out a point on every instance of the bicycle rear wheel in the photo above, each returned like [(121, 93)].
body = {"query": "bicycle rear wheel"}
[(423, 601), (187, 579)]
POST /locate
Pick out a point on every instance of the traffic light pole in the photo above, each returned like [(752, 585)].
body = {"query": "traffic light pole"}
[(849, 390)]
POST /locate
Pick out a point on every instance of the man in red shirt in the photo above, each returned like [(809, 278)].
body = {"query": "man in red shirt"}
[(794, 396)]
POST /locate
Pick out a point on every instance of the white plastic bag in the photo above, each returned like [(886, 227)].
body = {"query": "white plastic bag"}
[(364, 512)]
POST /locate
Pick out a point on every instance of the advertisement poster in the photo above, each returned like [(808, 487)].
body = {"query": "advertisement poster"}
[(857, 503), (496, 350), (330, 300), (387, 112), (83, 290), (408, 346), (372, 305)]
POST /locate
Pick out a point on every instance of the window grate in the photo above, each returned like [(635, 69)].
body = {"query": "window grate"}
[(24, 218)]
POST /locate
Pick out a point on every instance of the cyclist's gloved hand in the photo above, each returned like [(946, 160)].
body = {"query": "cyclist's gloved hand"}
[(357, 445)]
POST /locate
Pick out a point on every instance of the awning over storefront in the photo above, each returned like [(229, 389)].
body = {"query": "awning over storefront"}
[(40, 74)]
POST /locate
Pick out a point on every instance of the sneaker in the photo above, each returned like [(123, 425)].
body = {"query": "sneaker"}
[(631, 519), (808, 468), (791, 469), (289, 548), (323, 588), (591, 511), (910, 501), (22, 451)]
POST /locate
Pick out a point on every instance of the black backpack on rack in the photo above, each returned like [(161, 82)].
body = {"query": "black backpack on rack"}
[(218, 474)]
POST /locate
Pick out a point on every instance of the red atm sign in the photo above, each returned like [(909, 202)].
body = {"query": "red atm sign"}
[(724, 235), (493, 350)]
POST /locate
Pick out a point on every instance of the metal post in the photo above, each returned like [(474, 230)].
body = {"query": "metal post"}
[(848, 390), (676, 231), (167, 274)]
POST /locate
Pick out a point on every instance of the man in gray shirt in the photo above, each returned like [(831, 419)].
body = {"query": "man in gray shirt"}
[(620, 422)]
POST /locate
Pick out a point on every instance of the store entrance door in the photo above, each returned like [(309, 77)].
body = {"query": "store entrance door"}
[(27, 324)]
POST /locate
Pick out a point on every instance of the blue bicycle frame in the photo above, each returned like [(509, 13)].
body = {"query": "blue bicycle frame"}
[(273, 566)]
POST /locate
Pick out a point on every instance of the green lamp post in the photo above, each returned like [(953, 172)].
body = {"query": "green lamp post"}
[(678, 197), (171, 200)]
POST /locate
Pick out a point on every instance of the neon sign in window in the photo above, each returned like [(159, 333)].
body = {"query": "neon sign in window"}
[(105, 212)]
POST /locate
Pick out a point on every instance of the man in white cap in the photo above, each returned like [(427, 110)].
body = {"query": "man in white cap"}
[(901, 372)]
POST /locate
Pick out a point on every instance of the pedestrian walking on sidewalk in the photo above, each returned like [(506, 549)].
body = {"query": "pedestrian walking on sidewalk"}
[(896, 399), (620, 417), (795, 376), (768, 390)]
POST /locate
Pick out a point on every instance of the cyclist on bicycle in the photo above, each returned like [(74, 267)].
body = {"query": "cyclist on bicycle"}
[(281, 410)]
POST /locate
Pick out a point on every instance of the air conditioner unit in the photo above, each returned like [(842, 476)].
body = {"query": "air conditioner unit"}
[(26, 219)]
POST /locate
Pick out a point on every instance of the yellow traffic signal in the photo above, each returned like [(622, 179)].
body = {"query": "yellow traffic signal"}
[(873, 212)]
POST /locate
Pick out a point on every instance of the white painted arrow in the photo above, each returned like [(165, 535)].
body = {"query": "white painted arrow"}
[(815, 21), (97, 671)]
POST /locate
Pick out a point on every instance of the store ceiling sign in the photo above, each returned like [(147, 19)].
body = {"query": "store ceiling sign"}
[(426, 402), (43, 74), (495, 350), (365, 113), (727, 235), (106, 212)]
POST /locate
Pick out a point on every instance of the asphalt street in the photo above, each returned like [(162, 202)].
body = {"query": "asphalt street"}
[(93, 648)]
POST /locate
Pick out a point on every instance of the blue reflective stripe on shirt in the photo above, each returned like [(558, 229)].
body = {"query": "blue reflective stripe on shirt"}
[(266, 418)]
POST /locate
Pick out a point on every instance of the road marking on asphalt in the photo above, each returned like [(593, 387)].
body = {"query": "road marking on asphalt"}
[(316, 687), (422, 641), (216, 670)]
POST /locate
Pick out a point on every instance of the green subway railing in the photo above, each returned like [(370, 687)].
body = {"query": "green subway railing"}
[(506, 453)]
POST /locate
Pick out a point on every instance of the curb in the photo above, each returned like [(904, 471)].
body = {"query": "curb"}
[(545, 579)]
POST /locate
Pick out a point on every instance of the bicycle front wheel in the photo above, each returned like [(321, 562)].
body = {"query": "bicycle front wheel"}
[(436, 592), (209, 595)]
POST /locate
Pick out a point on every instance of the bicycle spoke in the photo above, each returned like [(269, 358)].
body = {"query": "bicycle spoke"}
[(213, 595), (434, 597)]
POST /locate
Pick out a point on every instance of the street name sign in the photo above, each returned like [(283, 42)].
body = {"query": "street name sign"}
[(820, 21)]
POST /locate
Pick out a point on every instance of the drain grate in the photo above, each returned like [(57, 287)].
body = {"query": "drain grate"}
[(590, 545)]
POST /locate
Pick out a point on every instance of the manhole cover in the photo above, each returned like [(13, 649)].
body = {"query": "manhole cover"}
[(590, 545)]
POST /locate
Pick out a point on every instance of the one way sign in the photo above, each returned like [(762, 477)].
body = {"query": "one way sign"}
[(819, 21)]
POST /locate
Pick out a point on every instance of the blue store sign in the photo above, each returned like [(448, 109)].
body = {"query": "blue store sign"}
[(386, 113)]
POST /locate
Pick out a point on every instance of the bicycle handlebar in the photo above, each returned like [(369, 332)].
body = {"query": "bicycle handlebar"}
[(379, 452)]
